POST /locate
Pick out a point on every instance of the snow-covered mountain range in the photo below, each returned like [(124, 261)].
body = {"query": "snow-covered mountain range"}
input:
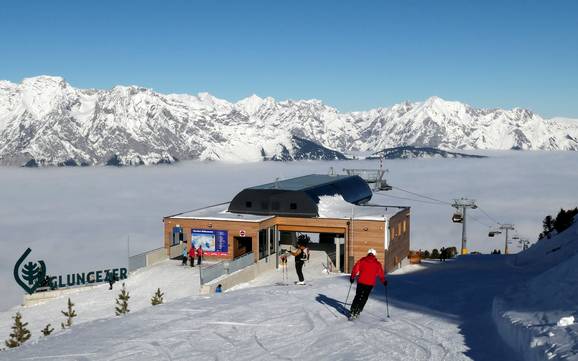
[(46, 121)]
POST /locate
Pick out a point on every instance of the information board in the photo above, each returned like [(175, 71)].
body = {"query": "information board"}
[(213, 242)]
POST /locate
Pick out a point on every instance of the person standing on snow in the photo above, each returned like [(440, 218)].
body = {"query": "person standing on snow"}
[(367, 268), (199, 255), (301, 255), (184, 254), (192, 255)]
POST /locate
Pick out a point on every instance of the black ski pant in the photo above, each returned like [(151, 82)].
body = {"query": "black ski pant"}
[(361, 295), (299, 269), (184, 261), (192, 259), (198, 260)]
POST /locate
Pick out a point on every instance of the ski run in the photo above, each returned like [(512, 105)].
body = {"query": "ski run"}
[(479, 307)]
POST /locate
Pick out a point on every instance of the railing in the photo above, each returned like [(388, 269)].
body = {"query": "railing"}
[(209, 273), (329, 264), (241, 262), (222, 268), (176, 250), (145, 259)]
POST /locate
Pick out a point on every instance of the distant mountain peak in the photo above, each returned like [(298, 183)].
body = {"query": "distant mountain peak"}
[(46, 121)]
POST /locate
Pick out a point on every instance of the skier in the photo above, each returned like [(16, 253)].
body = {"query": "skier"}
[(219, 288), (199, 255), (192, 255), (301, 255), (443, 254), (184, 254), (368, 268)]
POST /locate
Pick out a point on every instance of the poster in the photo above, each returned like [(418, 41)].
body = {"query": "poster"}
[(213, 242)]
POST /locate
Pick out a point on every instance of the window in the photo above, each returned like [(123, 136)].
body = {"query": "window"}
[(404, 226), (272, 240), (262, 243), (399, 228), (392, 233), (178, 235), (293, 205), (248, 204)]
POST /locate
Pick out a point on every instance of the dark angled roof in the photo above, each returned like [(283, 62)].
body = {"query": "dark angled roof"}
[(299, 196)]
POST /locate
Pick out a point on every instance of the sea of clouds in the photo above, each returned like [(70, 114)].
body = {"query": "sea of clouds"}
[(78, 219)]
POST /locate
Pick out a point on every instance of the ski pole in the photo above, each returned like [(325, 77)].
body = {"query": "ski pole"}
[(347, 298), (386, 302)]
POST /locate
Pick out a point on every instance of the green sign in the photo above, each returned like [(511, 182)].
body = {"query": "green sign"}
[(31, 274)]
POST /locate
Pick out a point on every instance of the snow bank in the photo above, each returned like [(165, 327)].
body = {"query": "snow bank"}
[(337, 207), (537, 318), (551, 251)]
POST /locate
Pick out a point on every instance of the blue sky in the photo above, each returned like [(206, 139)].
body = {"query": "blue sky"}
[(353, 55)]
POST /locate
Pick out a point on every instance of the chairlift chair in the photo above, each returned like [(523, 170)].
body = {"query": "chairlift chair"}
[(457, 218)]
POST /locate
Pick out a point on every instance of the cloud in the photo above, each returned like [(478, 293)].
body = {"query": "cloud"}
[(80, 218)]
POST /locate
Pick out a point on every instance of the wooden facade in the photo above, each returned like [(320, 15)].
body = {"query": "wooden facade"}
[(390, 238)]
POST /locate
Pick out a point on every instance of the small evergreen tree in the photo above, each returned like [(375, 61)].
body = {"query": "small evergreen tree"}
[(47, 330), (157, 298), (564, 219), (426, 254), (122, 302), (19, 334), (548, 224), (70, 314), (435, 253)]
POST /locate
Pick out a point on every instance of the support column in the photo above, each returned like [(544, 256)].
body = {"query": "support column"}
[(276, 240), (338, 241), (268, 253)]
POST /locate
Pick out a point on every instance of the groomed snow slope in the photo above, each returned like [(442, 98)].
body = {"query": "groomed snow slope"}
[(527, 315), (263, 323), (438, 312)]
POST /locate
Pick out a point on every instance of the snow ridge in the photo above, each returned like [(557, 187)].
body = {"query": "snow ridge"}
[(533, 317), (46, 121)]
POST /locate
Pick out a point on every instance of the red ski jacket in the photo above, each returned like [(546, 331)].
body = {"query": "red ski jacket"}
[(192, 252), (199, 252), (368, 268)]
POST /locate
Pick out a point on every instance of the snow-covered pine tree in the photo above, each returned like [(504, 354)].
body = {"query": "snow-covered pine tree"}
[(70, 314), (19, 334), (157, 297), (122, 302), (47, 330)]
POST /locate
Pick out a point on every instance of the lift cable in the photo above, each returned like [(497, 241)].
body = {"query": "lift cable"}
[(407, 199), (478, 221), (421, 195), (489, 216)]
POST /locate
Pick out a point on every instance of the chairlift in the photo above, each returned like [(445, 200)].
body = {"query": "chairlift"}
[(493, 233), (457, 218)]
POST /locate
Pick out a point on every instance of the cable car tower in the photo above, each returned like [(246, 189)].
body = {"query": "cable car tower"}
[(372, 176), (460, 217), (506, 227)]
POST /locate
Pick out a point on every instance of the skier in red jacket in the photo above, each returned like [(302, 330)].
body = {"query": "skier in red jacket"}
[(192, 255), (368, 268), (199, 255)]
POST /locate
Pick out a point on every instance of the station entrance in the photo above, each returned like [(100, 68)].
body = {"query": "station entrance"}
[(332, 244)]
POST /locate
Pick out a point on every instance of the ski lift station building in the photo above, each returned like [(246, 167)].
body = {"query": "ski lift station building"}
[(335, 209)]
